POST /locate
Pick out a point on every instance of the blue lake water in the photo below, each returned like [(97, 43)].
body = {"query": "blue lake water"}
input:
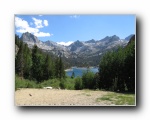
[(80, 71)]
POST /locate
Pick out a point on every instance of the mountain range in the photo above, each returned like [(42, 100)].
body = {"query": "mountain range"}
[(79, 50)]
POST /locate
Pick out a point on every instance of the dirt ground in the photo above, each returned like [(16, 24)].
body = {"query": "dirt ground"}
[(55, 97)]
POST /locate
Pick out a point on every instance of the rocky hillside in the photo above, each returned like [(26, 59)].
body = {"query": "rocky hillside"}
[(79, 50), (129, 37)]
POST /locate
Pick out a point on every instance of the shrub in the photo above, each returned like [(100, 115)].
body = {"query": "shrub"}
[(78, 83), (51, 82), (29, 85), (24, 83), (62, 84), (69, 83), (88, 80)]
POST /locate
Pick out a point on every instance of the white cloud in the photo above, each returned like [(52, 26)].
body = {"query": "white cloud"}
[(45, 22), (75, 16), (30, 30), (22, 26), (21, 23), (37, 22), (42, 34), (65, 43)]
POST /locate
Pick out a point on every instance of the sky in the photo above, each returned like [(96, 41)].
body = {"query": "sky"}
[(65, 29)]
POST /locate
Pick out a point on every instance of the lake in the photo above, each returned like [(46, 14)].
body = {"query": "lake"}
[(79, 71)]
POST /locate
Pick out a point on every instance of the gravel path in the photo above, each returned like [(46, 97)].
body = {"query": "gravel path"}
[(47, 97)]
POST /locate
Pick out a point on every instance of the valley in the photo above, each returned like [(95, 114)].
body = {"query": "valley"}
[(75, 60)]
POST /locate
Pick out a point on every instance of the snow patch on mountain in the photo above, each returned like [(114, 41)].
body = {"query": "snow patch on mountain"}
[(65, 43)]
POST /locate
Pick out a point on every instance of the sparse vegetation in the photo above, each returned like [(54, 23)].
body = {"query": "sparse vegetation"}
[(118, 98), (24, 83), (66, 83)]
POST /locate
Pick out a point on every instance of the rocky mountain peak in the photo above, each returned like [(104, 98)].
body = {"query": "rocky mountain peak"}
[(129, 37), (91, 41), (110, 38), (78, 43), (74, 46), (28, 37), (50, 43), (115, 38), (77, 49)]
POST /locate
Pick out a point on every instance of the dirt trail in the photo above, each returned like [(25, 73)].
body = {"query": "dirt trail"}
[(47, 97)]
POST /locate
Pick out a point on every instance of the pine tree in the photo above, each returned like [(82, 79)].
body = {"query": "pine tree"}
[(17, 40), (130, 66), (61, 68), (37, 64), (117, 69), (73, 75), (27, 61), (19, 61), (34, 61), (56, 68), (47, 68), (105, 72)]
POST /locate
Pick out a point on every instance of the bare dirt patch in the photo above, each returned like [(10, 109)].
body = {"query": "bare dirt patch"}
[(54, 97)]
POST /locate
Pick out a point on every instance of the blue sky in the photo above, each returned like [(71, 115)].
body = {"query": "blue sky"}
[(65, 29)]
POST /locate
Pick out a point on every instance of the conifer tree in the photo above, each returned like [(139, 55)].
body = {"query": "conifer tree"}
[(73, 75), (61, 68), (47, 68), (17, 40), (117, 69), (130, 66), (37, 64), (19, 61), (56, 64), (27, 61)]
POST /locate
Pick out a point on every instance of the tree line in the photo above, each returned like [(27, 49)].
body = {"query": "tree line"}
[(116, 68), (35, 65), (116, 71)]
